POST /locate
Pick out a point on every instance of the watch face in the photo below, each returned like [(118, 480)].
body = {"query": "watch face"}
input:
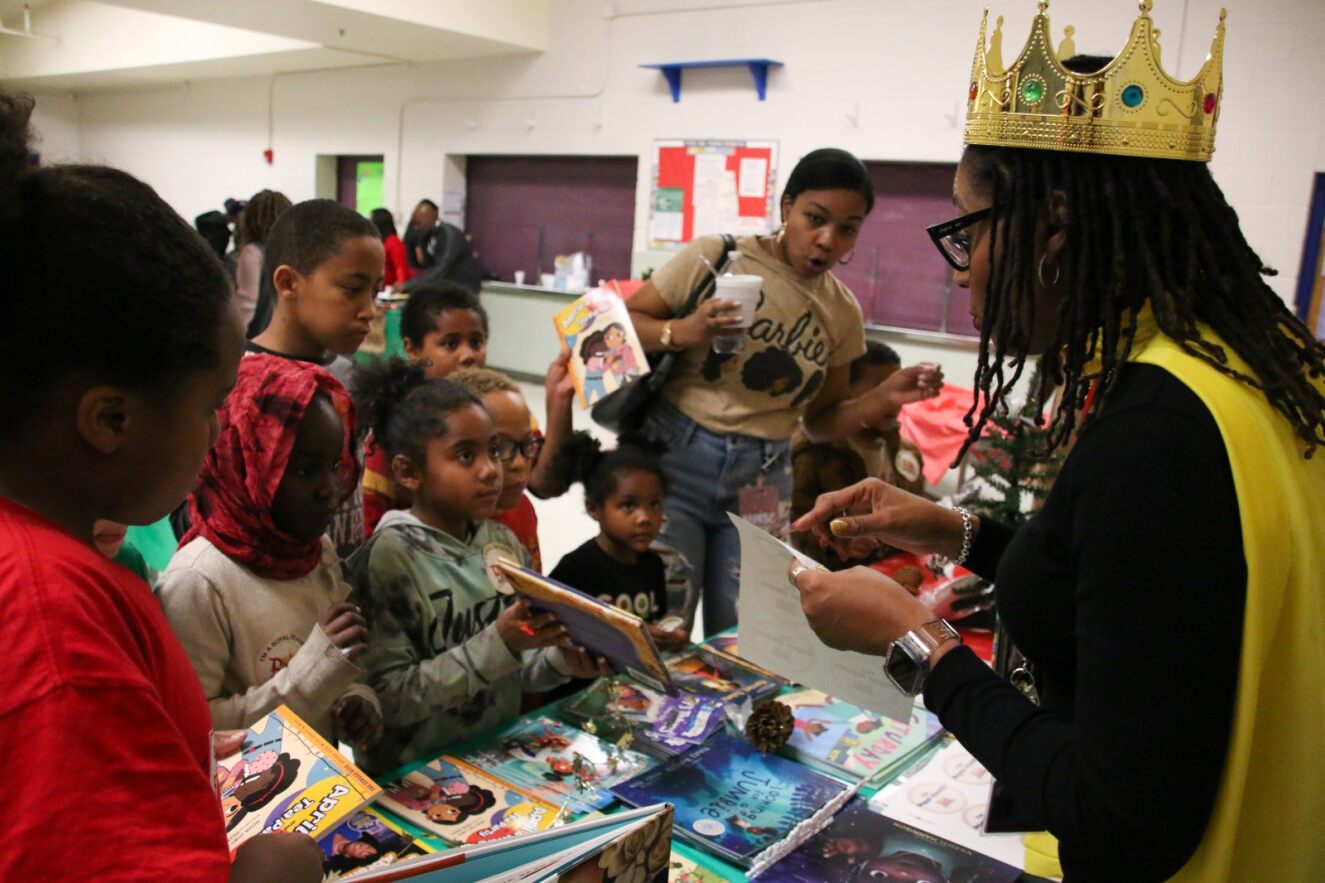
[(903, 669)]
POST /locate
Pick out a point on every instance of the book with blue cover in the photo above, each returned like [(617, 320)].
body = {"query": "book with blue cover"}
[(732, 800), (556, 763), (367, 839), (863, 845)]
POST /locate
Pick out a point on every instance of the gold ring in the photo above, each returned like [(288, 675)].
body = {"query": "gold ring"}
[(796, 571)]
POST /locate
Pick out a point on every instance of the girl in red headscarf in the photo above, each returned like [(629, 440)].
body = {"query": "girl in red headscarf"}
[(255, 591)]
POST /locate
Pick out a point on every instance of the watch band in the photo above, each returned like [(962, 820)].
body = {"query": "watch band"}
[(907, 662), (665, 340)]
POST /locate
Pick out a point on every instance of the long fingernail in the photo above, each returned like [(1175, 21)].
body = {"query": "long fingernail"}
[(839, 527)]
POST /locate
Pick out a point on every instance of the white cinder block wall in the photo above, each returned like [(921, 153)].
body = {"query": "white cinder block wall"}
[(884, 78)]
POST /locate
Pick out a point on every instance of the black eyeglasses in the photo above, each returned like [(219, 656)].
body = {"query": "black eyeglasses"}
[(952, 241), (529, 446)]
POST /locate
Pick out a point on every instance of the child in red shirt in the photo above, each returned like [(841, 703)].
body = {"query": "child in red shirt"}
[(102, 719)]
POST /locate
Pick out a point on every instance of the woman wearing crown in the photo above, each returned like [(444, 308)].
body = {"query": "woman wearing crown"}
[(1169, 591)]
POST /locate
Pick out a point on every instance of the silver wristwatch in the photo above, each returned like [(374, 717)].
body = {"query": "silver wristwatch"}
[(907, 662)]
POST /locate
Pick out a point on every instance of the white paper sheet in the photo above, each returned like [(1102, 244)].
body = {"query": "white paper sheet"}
[(774, 633), (754, 177), (949, 797)]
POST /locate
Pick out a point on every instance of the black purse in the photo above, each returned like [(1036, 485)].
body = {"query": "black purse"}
[(624, 411)]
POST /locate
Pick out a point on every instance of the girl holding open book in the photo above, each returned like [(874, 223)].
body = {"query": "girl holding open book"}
[(450, 650)]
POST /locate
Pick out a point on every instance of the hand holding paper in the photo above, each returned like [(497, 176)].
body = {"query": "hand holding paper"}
[(776, 634)]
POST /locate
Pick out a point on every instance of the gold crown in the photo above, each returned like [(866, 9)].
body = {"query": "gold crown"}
[(1131, 107)]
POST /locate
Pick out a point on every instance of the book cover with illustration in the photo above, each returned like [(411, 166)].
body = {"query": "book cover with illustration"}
[(719, 676), (728, 644), (288, 778), (840, 738), (685, 866), (460, 804), (631, 846), (732, 800), (617, 635), (556, 763), (605, 350), (365, 840), (612, 708), (863, 845)]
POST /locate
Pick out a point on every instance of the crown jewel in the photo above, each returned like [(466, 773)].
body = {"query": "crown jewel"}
[(1131, 107)]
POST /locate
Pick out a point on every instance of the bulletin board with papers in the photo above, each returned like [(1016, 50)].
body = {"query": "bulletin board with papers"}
[(703, 187)]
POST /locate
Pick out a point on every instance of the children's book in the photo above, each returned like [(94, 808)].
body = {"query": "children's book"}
[(365, 840), (605, 350), (556, 763), (722, 677), (948, 796), (838, 737), (460, 804), (607, 630), (728, 644), (864, 845), (633, 845), (732, 800), (688, 866), (612, 708), (288, 778)]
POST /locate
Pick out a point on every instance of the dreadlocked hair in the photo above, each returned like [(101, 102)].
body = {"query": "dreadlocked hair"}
[(1139, 231), (260, 215)]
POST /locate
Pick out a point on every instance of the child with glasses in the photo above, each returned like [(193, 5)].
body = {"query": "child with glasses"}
[(518, 446)]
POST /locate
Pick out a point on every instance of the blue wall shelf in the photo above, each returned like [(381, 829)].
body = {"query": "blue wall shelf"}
[(758, 69)]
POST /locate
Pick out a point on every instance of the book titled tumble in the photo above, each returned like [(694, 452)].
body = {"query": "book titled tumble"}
[(288, 778), (731, 800)]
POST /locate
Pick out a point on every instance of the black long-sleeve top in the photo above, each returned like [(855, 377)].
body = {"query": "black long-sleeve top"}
[(1127, 590)]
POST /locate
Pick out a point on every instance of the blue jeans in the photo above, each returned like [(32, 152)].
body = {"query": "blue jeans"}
[(705, 474)]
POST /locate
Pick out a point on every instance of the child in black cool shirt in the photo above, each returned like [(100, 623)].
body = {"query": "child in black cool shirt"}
[(623, 492)]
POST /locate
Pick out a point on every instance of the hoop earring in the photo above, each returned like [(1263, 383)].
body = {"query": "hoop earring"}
[(1039, 273), (782, 231), (846, 260)]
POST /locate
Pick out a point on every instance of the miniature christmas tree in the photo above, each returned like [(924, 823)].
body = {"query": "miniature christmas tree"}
[(1013, 474), (1012, 470)]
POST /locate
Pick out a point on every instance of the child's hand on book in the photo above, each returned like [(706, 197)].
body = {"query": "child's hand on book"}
[(284, 856), (668, 639), (558, 386), (227, 742), (581, 663), (521, 628), (358, 721), (345, 627)]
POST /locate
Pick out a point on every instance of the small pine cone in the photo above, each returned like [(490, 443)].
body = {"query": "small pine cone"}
[(769, 726)]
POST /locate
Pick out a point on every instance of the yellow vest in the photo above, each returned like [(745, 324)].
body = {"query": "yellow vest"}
[(1269, 815)]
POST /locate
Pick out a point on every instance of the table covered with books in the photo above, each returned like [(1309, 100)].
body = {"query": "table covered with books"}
[(764, 779)]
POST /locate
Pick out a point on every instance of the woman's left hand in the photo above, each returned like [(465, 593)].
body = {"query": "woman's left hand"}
[(858, 609), (903, 387)]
